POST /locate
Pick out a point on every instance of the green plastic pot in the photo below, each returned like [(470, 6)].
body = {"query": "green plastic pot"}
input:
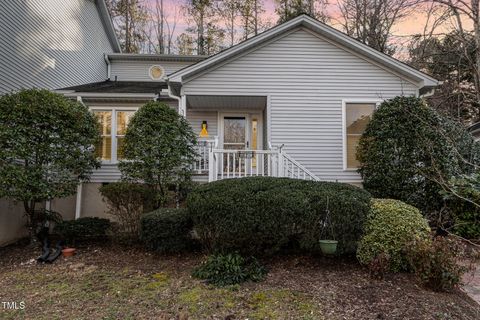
[(328, 246)]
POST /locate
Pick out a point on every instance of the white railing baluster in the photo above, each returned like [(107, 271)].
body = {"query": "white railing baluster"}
[(251, 166), (228, 165), (273, 162)]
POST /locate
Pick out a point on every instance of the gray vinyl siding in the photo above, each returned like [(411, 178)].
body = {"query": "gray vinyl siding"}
[(306, 78), (128, 70), (195, 118), (51, 44)]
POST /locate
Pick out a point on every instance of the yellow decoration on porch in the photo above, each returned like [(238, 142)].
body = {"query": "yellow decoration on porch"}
[(204, 132)]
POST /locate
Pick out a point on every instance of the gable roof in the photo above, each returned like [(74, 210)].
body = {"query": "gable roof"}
[(108, 25), (332, 34)]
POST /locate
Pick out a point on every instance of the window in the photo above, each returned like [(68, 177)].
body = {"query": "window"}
[(123, 118), (357, 116), (112, 131), (103, 150), (156, 72)]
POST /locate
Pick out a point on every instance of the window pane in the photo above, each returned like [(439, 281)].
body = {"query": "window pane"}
[(358, 115), (123, 118), (120, 141), (234, 132), (103, 149), (352, 143), (105, 120)]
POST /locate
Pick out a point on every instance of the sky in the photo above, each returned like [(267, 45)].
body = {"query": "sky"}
[(413, 24)]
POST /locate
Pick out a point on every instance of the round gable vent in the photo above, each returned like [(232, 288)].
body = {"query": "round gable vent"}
[(156, 72)]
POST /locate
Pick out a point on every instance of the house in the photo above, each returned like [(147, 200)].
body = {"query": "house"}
[(50, 44), (292, 101), (53, 44)]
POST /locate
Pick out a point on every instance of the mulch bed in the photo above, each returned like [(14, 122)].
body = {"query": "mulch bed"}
[(107, 281)]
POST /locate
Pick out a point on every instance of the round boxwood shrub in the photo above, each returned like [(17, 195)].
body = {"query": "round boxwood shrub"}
[(391, 225), (260, 215), (167, 230)]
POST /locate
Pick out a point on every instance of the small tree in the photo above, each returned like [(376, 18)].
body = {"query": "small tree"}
[(409, 151), (159, 147), (46, 147)]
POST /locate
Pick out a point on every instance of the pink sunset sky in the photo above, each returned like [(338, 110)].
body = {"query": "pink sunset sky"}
[(413, 24)]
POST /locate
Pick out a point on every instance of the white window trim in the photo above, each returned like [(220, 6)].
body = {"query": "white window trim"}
[(377, 102), (113, 130)]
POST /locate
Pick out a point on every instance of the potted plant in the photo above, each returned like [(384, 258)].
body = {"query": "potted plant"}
[(327, 241)]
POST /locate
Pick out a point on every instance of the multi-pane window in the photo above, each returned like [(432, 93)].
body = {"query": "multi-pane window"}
[(357, 116), (103, 149), (113, 126), (123, 118)]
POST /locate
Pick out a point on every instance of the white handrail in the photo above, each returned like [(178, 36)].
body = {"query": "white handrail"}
[(235, 163), (302, 172)]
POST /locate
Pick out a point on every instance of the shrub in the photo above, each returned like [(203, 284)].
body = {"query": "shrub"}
[(126, 202), (466, 214), (167, 230), (437, 263), (159, 147), (229, 269), (259, 215), (83, 229), (45, 147), (408, 147), (391, 224), (379, 266)]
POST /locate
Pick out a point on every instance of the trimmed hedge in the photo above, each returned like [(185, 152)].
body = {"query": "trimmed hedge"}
[(167, 230), (88, 228), (391, 225), (260, 215)]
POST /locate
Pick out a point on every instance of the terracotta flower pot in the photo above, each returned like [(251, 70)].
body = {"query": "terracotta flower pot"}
[(68, 252)]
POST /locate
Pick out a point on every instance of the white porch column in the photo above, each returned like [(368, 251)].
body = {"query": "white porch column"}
[(78, 204)]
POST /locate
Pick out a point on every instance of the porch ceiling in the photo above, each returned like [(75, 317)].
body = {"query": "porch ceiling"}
[(226, 102)]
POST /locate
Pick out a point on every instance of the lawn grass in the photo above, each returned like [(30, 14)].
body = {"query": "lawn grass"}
[(105, 282)]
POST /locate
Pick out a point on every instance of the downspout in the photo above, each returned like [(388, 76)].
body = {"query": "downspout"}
[(78, 199), (179, 99), (109, 65)]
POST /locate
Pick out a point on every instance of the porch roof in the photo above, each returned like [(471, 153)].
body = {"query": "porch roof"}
[(225, 102), (118, 87)]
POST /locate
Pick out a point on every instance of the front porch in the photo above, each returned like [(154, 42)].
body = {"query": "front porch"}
[(233, 139), (215, 163)]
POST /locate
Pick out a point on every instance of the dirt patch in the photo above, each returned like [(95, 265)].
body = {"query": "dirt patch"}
[(111, 282)]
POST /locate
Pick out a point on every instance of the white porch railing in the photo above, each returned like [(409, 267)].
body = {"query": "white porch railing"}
[(200, 166), (234, 163)]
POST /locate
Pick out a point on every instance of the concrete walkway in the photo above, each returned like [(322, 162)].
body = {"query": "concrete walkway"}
[(471, 285)]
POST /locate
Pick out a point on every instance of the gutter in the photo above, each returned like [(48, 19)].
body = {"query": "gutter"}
[(109, 66), (109, 95), (428, 91)]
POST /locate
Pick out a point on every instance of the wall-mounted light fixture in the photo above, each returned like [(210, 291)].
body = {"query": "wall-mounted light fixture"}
[(204, 132)]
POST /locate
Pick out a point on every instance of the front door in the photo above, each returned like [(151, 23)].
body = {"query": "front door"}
[(241, 132)]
